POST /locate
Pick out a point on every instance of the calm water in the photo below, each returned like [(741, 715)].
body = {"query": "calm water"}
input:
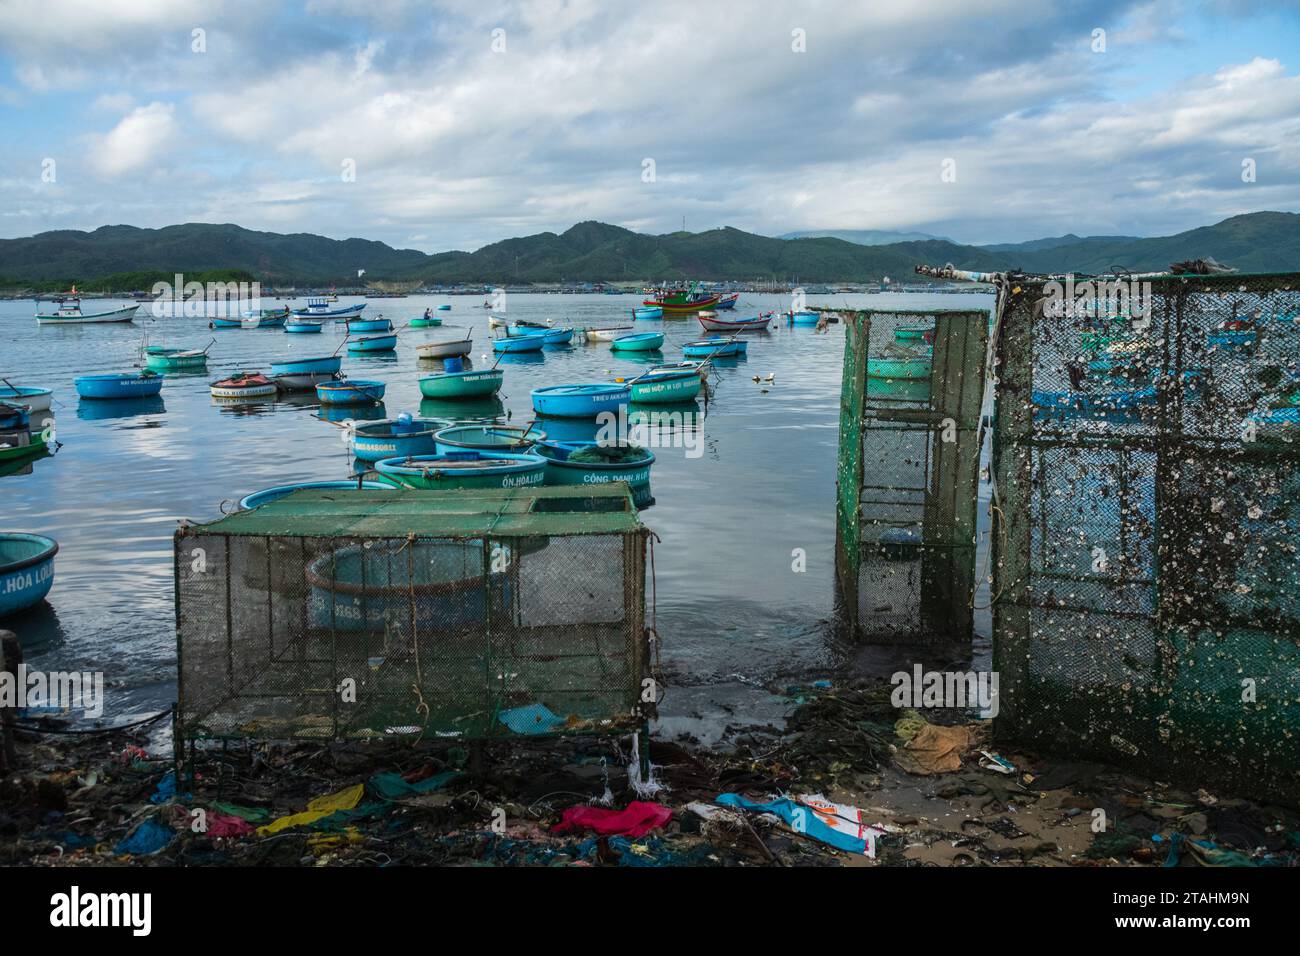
[(731, 611)]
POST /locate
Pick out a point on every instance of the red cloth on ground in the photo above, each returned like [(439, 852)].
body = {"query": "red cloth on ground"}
[(636, 821)]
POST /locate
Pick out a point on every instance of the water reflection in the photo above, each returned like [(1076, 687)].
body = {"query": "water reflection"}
[(94, 410)]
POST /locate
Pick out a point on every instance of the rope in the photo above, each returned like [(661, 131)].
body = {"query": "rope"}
[(37, 729)]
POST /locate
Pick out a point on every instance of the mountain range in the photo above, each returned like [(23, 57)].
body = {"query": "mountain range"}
[(595, 251)]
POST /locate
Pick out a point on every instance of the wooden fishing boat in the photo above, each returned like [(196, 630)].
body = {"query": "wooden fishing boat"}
[(638, 342), (303, 366), (439, 350), (259, 319), (466, 384), (373, 343), (377, 324), (715, 348), (303, 327), (681, 301), (520, 343), (756, 324), (595, 463), (13, 417), (579, 401), (353, 391), (225, 322), (122, 385), (36, 399), (243, 385), (26, 570), (666, 386), (20, 447), (174, 360), (464, 469), (727, 301), (279, 491), (606, 335), (648, 312), (672, 368), (395, 437), (488, 437), (320, 309), (551, 336), (69, 313)]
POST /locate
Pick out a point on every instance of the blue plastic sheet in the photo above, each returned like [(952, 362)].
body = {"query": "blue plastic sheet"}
[(804, 819), (531, 719), (148, 838)]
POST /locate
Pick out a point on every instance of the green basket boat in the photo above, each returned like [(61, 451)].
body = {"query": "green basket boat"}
[(423, 323), (594, 463), (468, 384), (666, 386), (463, 469), (174, 360)]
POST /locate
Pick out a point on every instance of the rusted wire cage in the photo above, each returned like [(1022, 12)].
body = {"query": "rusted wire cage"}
[(1147, 467), (908, 472), (434, 614)]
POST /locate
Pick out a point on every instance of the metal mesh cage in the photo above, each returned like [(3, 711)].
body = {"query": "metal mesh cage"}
[(460, 614), (1147, 589), (908, 471)]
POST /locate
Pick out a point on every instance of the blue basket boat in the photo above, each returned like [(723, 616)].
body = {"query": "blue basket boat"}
[(488, 437), (395, 437), (464, 469), (36, 399), (328, 365), (123, 385), (441, 582), (301, 327), (715, 348), (579, 401), (352, 391), (802, 318), (638, 342), (444, 308), (377, 324), (26, 570), (373, 343), (532, 342), (279, 491), (649, 312), (667, 385)]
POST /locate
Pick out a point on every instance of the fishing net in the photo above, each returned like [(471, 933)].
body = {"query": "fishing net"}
[(607, 454), (1147, 468), (908, 470), (452, 614)]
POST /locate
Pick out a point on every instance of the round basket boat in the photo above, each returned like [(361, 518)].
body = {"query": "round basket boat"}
[(243, 385), (464, 469), (579, 401), (26, 570), (353, 391), (594, 463), (457, 385), (395, 437), (267, 495), (489, 438), (438, 583)]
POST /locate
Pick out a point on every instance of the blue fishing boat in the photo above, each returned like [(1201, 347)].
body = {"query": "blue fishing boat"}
[(352, 391), (402, 436), (444, 308), (727, 301), (715, 348), (648, 312), (377, 324), (550, 336), (520, 343), (595, 463), (802, 318), (225, 322), (26, 570), (488, 437), (464, 469), (579, 401), (36, 399), (328, 364), (373, 343), (638, 342), (320, 309), (13, 417), (302, 328), (279, 491), (123, 385)]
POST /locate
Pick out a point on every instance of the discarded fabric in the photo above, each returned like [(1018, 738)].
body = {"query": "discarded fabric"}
[(637, 820), (835, 824)]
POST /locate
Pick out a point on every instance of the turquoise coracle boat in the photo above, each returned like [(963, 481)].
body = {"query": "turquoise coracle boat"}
[(353, 391), (520, 343), (26, 570), (489, 437), (162, 359), (393, 437), (657, 387), (124, 385), (715, 348), (463, 469), (279, 491), (638, 342), (373, 343)]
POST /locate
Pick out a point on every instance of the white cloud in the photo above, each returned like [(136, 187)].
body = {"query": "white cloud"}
[(136, 142)]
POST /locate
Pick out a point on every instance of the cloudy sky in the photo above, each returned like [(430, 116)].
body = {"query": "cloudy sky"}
[(451, 124)]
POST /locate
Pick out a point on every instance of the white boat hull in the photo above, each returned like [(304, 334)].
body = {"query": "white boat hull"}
[(117, 315), (436, 350), (607, 335)]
